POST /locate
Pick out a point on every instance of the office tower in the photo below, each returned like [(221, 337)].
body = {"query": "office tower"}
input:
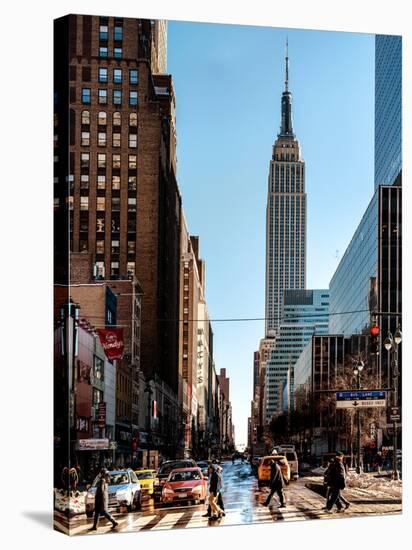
[(388, 109), (285, 216)]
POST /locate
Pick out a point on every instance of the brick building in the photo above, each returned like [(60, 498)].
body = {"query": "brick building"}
[(115, 182)]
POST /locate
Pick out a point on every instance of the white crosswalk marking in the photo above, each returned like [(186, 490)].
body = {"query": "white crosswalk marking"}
[(168, 521), (141, 522)]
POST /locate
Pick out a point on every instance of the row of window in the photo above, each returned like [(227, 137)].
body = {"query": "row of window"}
[(101, 203), (104, 52), (102, 139), (102, 118), (101, 182), (102, 161), (117, 75), (103, 97), (104, 33)]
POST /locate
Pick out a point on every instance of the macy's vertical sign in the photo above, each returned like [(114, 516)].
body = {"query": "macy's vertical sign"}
[(112, 342)]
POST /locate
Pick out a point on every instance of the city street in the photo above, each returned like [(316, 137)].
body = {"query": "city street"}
[(243, 505)]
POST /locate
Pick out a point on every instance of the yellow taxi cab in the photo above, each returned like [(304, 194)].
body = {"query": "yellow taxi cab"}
[(146, 479), (264, 468)]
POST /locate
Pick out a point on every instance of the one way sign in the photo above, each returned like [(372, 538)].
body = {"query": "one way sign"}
[(360, 398)]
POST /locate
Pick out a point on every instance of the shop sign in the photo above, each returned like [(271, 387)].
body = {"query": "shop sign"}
[(112, 342), (92, 444)]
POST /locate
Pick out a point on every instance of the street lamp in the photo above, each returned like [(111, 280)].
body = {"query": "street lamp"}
[(391, 344), (357, 372)]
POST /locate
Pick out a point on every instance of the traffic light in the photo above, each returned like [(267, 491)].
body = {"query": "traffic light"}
[(374, 340)]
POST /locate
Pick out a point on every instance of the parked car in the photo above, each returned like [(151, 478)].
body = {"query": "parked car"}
[(146, 479), (204, 466), (164, 471), (264, 468), (124, 492), (185, 485)]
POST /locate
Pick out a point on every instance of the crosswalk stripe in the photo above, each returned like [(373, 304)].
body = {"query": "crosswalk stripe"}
[(142, 521), (168, 521)]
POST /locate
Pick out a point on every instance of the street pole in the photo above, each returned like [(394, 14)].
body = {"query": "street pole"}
[(357, 371), (395, 473)]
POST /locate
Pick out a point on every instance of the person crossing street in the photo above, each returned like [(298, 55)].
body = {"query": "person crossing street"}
[(215, 487), (101, 502), (336, 482), (277, 484)]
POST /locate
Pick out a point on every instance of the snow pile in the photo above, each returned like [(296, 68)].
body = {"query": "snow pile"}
[(379, 487), (318, 471), (72, 505)]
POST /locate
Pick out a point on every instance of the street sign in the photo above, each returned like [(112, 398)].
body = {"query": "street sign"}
[(360, 398), (101, 414), (394, 414)]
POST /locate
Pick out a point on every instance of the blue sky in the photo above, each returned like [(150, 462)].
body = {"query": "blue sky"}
[(228, 81)]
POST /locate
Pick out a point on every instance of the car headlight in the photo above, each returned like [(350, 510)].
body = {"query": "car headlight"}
[(122, 494), (197, 489), (156, 481), (90, 497), (167, 491)]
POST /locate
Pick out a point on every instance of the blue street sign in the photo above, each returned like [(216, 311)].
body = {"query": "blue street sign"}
[(360, 395)]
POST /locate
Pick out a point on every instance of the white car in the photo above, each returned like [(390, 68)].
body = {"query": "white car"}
[(124, 492)]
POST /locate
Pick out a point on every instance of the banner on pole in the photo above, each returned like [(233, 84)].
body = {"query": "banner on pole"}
[(112, 342)]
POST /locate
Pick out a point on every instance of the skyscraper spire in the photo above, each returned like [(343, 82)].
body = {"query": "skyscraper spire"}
[(286, 67), (286, 127)]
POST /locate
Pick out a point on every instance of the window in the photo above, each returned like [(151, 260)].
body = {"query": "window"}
[(102, 96), (132, 162), (133, 119), (130, 268), (101, 160), (132, 98), (131, 247), (133, 76), (103, 74), (84, 160), (114, 268), (103, 32), (86, 117), (117, 76), (70, 201), (117, 118), (115, 182), (101, 139), (115, 204), (116, 140), (83, 245), (131, 205), (101, 204), (116, 161), (103, 51), (132, 183), (115, 247), (133, 140), (118, 33), (117, 52), (102, 118), (85, 139), (84, 203), (117, 97), (100, 224), (101, 182), (86, 95), (84, 181)]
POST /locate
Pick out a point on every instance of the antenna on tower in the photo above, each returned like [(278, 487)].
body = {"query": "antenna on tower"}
[(286, 66)]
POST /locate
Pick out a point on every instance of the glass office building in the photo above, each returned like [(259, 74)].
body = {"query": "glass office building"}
[(388, 109), (304, 313), (355, 275)]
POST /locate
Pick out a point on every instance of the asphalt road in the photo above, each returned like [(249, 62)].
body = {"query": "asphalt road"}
[(243, 505)]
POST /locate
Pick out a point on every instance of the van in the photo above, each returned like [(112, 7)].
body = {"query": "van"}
[(292, 458)]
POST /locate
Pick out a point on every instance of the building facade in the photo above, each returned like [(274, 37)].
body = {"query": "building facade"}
[(285, 217), (388, 109), (304, 313)]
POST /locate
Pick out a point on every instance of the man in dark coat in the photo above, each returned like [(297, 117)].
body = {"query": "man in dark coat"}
[(277, 483), (215, 486), (219, 496), (101, 502), (336, 482)]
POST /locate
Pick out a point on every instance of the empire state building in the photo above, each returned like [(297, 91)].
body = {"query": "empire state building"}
[(285, 216)]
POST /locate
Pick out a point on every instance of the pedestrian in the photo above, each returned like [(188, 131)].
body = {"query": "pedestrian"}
[(215, 485), (219, 501), (326, 474), (277, 484), (379, 462), (337, 482), (65, 478), (101, 502)]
